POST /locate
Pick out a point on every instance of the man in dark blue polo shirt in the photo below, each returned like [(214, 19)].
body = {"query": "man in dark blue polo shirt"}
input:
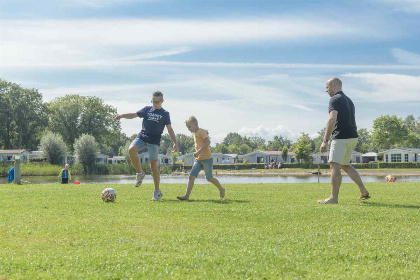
[(155, 118), (342, 126)]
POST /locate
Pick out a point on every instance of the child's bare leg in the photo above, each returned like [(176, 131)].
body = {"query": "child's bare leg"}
[(155, 172), (190, 185), (135, 161), (216, 182)]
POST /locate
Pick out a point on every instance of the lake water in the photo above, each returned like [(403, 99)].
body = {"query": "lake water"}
[(224, 179)]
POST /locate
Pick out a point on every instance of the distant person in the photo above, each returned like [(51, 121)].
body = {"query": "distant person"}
[(342, 126), (65, 175), (155, 118), (203, 159), (11, 176)]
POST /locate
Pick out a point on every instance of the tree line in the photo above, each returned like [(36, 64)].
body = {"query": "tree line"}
[(25, 120)]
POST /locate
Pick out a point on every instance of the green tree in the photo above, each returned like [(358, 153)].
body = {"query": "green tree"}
[(64, 115), (284, 153), (412, 124), (185, 143), (53, 148), (364, 144), (233, 138), (278, 143), (244, 149), (221, 148), (23, 116), (256, 142), (86, 149), (389, 132), (165, 147), (317, 141), (303, 148), (233, 149), (74, 115)]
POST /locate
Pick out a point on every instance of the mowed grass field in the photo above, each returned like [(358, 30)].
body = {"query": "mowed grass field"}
[(267, 231)]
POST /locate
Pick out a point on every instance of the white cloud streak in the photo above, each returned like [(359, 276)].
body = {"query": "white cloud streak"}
[(377, 88), (406, 57), (408, 6), (268, 133), (94, 43)]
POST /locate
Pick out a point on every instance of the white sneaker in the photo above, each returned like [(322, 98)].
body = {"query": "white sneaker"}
[(157, 195), (139, 178)]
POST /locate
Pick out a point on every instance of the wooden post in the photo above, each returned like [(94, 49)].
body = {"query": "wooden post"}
[(18, 169), (319, 168)]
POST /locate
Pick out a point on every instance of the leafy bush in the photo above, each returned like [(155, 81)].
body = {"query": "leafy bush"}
[(53, 148), (399, 165), (86, 150)]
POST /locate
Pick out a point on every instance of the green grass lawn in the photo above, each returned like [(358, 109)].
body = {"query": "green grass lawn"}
[(267, 231)]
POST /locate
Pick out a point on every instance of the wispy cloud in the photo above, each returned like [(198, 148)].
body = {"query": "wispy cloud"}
[(97, 4), (408, 6), (268, 133), (406, 57), (95, 42), (378, 88), (154, 54)]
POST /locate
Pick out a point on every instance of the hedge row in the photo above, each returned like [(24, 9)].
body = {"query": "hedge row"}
[(399, 164)]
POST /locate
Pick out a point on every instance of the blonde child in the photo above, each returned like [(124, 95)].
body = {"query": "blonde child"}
[(203, 158), (65, 175)]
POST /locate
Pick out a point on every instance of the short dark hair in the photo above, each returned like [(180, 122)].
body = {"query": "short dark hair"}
[(158, 94)]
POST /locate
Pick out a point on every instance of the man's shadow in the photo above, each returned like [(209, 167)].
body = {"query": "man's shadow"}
[(389, 205)]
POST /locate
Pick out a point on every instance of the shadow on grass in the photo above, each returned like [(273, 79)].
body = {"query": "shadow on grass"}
[(390, 205), (225, 201)]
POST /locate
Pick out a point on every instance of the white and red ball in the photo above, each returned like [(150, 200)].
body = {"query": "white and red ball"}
[(109, 195)]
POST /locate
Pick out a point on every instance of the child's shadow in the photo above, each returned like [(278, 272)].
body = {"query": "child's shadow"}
[(390, 205), (224, 201)]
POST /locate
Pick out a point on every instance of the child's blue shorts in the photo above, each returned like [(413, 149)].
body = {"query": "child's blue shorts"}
[(143, 146), (206, 164)]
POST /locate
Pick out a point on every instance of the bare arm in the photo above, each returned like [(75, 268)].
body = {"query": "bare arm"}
[(126, 116), (205, 145), (329, 130), (173, 137)]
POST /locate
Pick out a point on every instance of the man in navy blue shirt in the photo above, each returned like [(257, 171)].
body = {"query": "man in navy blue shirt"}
[(342, 126), (155, 118)]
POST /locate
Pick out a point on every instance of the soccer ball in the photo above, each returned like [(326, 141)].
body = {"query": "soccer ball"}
[(108, 195)]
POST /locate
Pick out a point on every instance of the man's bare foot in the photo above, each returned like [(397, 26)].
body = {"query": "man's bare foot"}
[(328, 201), (364, 196), (222, 193), (184, 197)]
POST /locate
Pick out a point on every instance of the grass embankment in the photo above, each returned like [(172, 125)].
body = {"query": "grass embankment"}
[(45, 169), (270, 231)]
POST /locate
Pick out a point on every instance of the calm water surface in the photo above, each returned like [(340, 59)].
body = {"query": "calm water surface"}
[(227, 179)]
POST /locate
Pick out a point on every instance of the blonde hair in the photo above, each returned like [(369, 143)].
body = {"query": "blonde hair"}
[(191, 119)]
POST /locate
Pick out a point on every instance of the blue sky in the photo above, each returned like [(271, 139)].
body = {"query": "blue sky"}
[(254, 67)]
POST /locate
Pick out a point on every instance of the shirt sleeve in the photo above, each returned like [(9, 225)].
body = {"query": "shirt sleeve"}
[(142, 113), (334, 105), (168, 119)]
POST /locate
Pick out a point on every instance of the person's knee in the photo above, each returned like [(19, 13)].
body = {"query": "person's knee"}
[(191, 178), (334, 165), (211, 179), (133, 150)]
